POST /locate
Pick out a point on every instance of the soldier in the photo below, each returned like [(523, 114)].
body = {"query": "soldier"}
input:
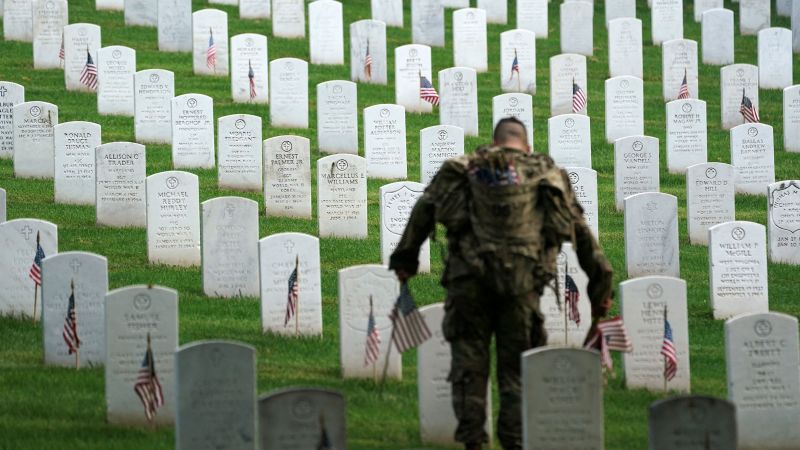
[(506, 211)]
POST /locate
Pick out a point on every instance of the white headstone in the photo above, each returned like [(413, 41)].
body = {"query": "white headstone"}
[(11, 94), (666, 20), (560, 329), (784, 8), (175, 25), (288, 19), (120, 185), (396, 202), (133, 314), (3, 214), (679, 60), (255, 9), (469, 39), (108, 5), (519, 44), (326, 32), (385, 141), (795, 27), (456, 3), (116, 66), (564, 70), (620, 9), (436, 145), (192, 131), (458, 99), (79, 39), (389, 12), (737, 260), (784, 222), (717, 37), (342, 196), (239, 145), (577, 30), (624, 107), (141, 13), (18, 20), (791, 119), (287, 176), (686, 134), (753, 156), (710, 198), (173, 218), (532, 16), (249, 54), (210, 42), (625, 47), (337, 117), (314, 408), (368, 44), (754, 15), (33, 139), (49, 18), (427, 22), (74, 176), (569, 140), (515, 105), (584, 184), (84, 276), (280, 255), (411, 61), (701, 6), (737, 80), (761, 354), (651, 235), (496, 10), (288, 95), (644, 302), (19, 238), (366, 290), (636, 163), (153, 90), (775, 58)]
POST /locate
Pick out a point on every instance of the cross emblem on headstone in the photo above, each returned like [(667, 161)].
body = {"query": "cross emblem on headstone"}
[(3, 91), (75, 264), (26, 231), (289, 246)]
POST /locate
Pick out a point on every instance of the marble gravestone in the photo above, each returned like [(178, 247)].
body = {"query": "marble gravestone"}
[(288, 95), (365, 290), (173, 219), (33, 131), (754, 16), (469, 39), (249, 54), (120, 185), (229, 245), (761, 355), (368, 39), (141, 13), (783, 219), (337, 117), (560, 330), (427, 22), (11, 94), (737, 80), (457, 3), (289, 19), (74, 146), (569, 140), (280, 255), (679, 60), (48, 19), (210, 31), (224, 2), (298, 417), (396, 202), (666, 20), (692, 422), (717, 37), (458, 99), (19, 238), (287, 176), (139, 318), (515, 105), (784, 8), (532, 16), (737, 260), (17, 20), (116, 66), (519, 44), (646, 302), (3, 213), (619, 9), (342, 196), (775, 58), (686, 134), (554, 402), (216, 396), (496, 10), (239, 152), (85, 277), (577, 28), (584, 184), (636, 167), (389, 12), (624, 107), (565, 70), (192, 132), (753, 156), (255, 9), (326, 32), (80, 41), (385, 141), (701, 6), (651, 235), (410, 62), (710, 198), (175, 26), (153, 90), (791, 118), (436, 145), (795, 21), (625, 48)]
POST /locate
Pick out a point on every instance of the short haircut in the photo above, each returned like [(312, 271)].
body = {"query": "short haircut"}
[(509, 129)]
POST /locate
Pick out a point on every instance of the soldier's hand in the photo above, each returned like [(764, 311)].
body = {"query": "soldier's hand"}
[(602, 309), (402, 275)]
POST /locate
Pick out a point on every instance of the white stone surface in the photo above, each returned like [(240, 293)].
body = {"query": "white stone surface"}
[(679, 59), (651, 235), (733, 80), (389, 12), (795, 27), (569, 140), (278, 429), (173, 219), (701, 6), (11, 94), (577, 29), (625, 47), (153, 90), (560, 330), (396, 202), (753, 156), (455, 3), (240, 164), (210, 25), (436, 145), (737, 272), (427, 22), (532, 16), (469, 39), (784, 221), (458, 99), (249, 52), (385, 141), (326, 32), (74, 176), (337, 117), (754, 16), (584, 184), (636, 167), (18, 20), (19, 238), (175, 26), (79, 38), (411, 61), (288, 95), (108, 5), (496, 10), (33, 137), (515, 105), (520, 44), (791, 119), (666, 20), (784, 8), (687, 141), (289, 19), (619, 9), (624, 107), (717, 37), (710, 198), (564, 69), (192, 131), (368, 36), (141, 12), (342, 196), (287, 176), (116, 66), (255, 9), (775, 58), (120, 185), (49, 18), (3, 213)]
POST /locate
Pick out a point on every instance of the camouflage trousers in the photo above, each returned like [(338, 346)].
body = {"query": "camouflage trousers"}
[(474, 312)]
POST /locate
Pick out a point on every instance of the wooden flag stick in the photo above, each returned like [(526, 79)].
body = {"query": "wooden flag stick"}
[(35, 295)]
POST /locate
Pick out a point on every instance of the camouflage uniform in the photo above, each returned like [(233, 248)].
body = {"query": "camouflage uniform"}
[(506, 213)]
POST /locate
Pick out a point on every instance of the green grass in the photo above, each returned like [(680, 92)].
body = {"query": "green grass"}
[(46, 407)]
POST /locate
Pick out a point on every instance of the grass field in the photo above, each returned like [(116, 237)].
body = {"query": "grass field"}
[(56, 408)]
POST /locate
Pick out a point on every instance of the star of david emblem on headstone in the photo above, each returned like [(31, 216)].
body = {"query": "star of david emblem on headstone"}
[(172, 182), (655, 291), (75, 265), (35, 111), (26, 231), (442, 135), (711, 173), (286, 146), (142, 302), (239, 124), (191, 103), (342, 164), (154, 77), (637, 146), (687, 107), (763, 328), (574, 177), (738, 233), (385, 113), (513, 102), (289, 246), (569, 123), (3, 91), (752, 131)]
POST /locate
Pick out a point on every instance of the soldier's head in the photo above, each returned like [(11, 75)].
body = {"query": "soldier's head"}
[(510, 132)]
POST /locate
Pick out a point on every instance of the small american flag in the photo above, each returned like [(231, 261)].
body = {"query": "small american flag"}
[(70, 333), (427, 92), (373, 345), (610, 335), (324, 441), (748, 110), (293, 295), (514, 65), (252, 77), (36, 268), (147, 386), (368, 64), (211, 51), (61, 51), (668, 351), (578, 98), (89, 73), (410, 328), (683, 92), (571, 297)]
